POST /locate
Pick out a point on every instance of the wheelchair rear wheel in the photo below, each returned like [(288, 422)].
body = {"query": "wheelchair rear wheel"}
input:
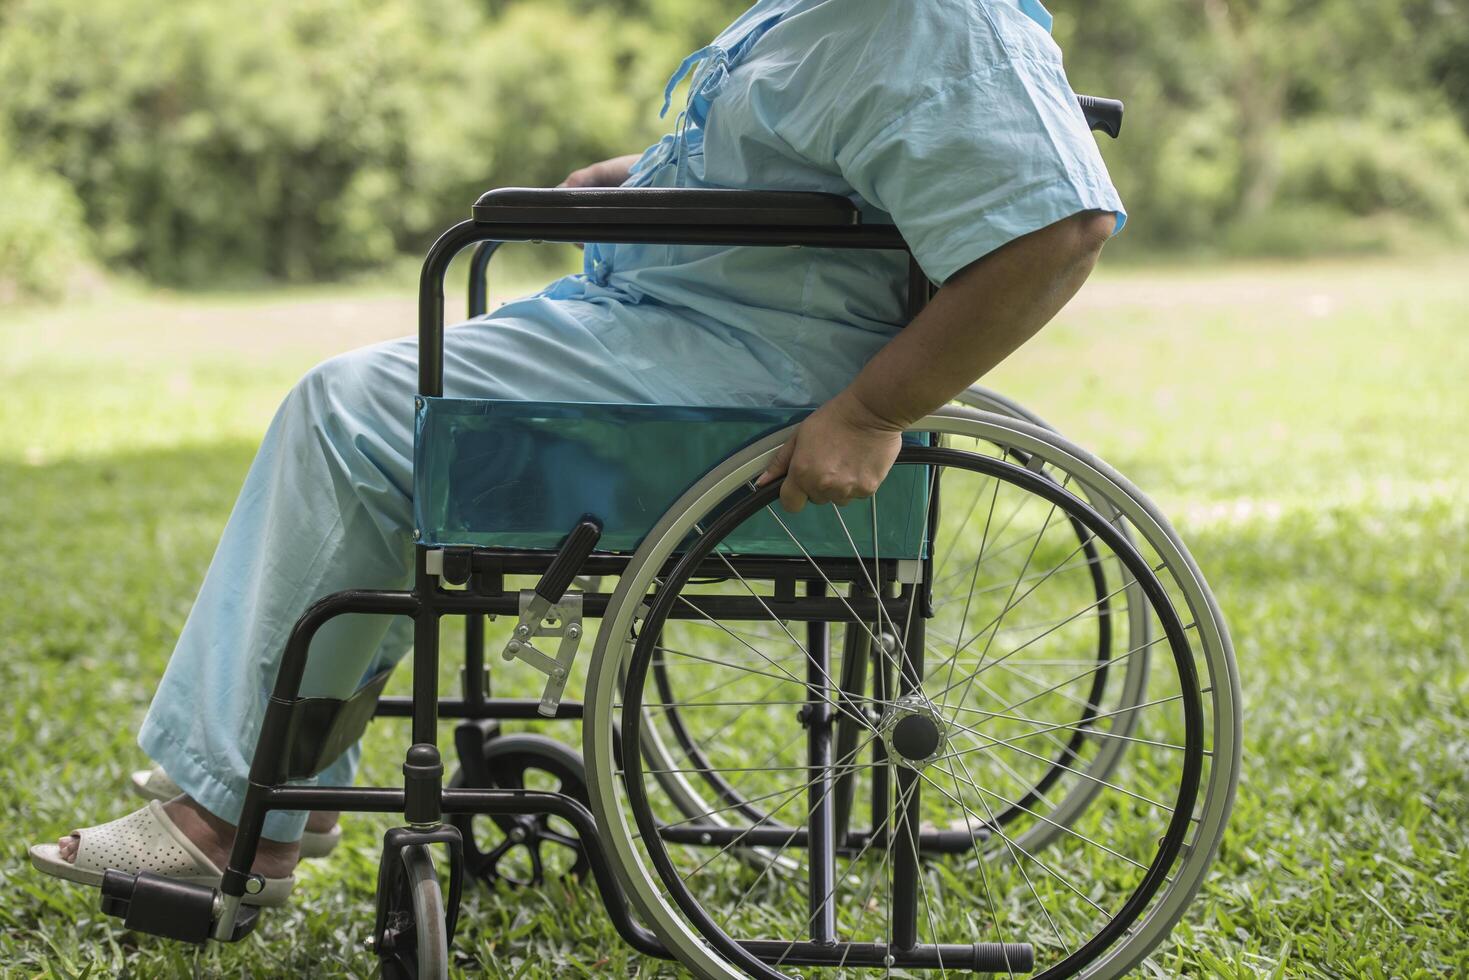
[(1004, 823)]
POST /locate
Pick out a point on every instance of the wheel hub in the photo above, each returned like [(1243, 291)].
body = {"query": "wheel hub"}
[(913, 732)]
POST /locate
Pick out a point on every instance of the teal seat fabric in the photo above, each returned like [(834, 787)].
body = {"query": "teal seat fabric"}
[(519, 474)]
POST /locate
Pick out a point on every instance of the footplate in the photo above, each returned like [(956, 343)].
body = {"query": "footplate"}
[(160, 906)]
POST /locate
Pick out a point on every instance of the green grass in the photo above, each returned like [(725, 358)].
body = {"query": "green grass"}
[(1303, 425)]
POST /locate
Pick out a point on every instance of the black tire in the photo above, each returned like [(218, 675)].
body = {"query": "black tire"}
[(419, 949), (490, 841)]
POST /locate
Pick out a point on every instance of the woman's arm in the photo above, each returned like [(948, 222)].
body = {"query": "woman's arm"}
[(607, 173), (980, 316)]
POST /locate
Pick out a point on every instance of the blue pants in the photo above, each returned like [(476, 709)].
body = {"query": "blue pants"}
[(327, 506)]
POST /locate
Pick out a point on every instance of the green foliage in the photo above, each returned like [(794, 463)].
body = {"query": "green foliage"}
[(304, 139), (43, 238), (1275, 126), (1362, 167), (294, 138)]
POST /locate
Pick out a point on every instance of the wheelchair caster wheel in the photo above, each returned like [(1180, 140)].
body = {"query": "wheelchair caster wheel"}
[(523, 850), (414, 942)]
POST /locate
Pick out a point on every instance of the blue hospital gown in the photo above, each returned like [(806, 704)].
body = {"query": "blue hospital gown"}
[(950, 118)]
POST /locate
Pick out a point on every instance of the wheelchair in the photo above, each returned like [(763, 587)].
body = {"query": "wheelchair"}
[(986, 721)]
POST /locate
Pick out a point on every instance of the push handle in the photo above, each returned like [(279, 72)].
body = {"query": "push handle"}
[(568, 561), (1103, 115)]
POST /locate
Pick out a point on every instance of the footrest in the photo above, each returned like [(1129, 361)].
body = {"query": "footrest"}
[(159, 906)]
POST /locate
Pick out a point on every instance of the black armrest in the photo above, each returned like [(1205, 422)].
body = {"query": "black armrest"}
[(678, 215), (665, 206)]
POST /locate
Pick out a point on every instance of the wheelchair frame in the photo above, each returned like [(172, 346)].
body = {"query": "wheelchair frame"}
[(651, 216)]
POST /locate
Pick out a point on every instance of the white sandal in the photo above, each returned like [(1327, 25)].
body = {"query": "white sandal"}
[(144, 840), (154, 784)]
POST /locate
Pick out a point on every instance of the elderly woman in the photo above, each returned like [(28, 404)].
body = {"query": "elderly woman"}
[(952, 119)]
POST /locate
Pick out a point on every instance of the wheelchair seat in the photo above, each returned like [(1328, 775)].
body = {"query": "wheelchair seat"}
[(519, 474)]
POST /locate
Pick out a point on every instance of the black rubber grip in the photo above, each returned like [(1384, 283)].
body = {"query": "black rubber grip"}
[(1009, 958), (574, 550), (1103, 115)]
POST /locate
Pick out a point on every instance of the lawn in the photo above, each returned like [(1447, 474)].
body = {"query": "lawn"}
[(1302, 425)]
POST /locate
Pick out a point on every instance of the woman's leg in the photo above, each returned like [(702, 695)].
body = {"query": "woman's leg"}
[(327, 503), (327, 506), (323, 508)]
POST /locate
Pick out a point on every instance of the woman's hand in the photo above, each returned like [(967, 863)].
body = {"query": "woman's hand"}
[(608, 173), (842, 452)]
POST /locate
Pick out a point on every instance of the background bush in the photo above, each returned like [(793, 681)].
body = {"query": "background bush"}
[(43, 238), (209, 141)]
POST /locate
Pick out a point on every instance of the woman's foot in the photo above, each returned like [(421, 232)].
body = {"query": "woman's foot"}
[(155, 784), (155, 839), (214, 837)]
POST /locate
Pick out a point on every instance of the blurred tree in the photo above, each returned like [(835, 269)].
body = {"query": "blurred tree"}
[(304, 138), (44, 244), (300, 139), (295, 137), (1448, 58), (1232, 99)]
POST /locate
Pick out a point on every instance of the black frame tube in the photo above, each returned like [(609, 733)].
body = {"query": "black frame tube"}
[(425, 654), (1010, 959), (479, 281), (487, 709), (267, 767), (779, 835), (906, 886), (801, 609), (821, 855), (856, 649), (475, 680)]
